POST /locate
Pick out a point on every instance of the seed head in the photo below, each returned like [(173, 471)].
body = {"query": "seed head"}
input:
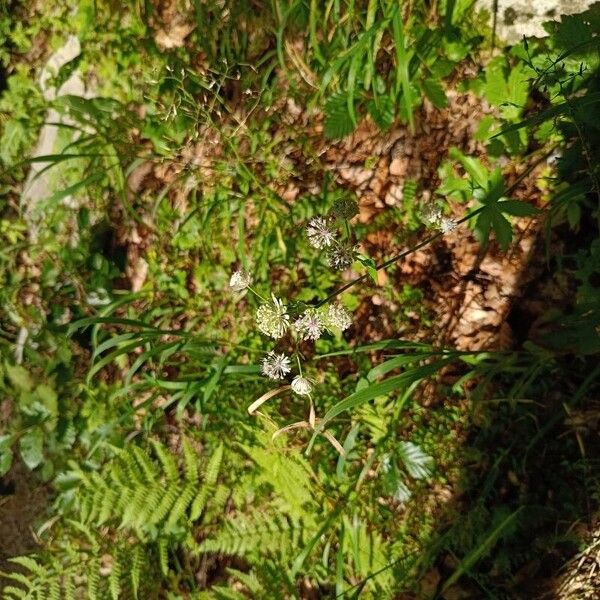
[(344, 208), (319, 234), (340, 257), (275, 366), (310, 325), (301, 385), (240, 280), (272, 318)]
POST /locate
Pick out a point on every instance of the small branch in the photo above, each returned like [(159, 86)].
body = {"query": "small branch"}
[(432, 238)]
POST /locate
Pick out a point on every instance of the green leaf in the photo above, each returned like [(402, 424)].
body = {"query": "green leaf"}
[(517, 208), (382, 111), (6, 458), (19, 377), (502, 229), (435, 93), (469, 561), (338, 120), (381, 389), (370, 265), (472, 166), (418, 464), (48, 398), (31, 446)]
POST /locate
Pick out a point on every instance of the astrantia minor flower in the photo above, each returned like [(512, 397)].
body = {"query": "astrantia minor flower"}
[(446, 224), (319, 234), (340, 257), (272, 318), (338, 317), (301, 385), (310, 325), (275, 366), (433, 216), (240, 280)]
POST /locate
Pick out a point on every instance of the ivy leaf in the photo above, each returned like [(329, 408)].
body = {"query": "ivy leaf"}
[(31, 447)]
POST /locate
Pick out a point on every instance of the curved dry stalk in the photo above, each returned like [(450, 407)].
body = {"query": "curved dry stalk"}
[(267, 396)]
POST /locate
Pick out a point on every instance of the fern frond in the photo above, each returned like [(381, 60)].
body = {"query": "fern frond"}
[(167, 460), (114, 579), (136, 569), (163, 556), (190, 462)]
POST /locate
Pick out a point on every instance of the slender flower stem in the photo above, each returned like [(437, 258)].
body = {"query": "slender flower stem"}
[(257, 294), (432, 238)]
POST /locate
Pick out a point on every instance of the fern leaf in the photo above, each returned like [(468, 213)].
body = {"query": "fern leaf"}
[(164, 506), (417, 463), (93, 580), (114, 579), (136, 569), (30, 564), (163, 556), (145, 464), (53, 590), (10, 592), (214, 466), (190, 461), (69, 587), (338, 120), (178, 510), (167, 460)]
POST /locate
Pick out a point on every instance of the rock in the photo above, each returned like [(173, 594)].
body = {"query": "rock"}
[(518, 18), (399, 167)]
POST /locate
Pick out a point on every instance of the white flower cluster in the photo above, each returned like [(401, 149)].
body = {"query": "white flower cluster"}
[(275, 366), (432, 215), (272, 318), (340, 254), (240, 281), (310, 325), (319, 234)]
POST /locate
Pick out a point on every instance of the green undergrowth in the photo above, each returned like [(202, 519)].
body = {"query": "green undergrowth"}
[(130, 368)]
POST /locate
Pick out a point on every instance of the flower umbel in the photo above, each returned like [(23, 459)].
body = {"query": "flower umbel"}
[(338, 317), (433, 216), (447, 224), (272, 318), (275, 366), (310, 325), (301, 385), (240, 280), (340, 257), (319, 234)]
